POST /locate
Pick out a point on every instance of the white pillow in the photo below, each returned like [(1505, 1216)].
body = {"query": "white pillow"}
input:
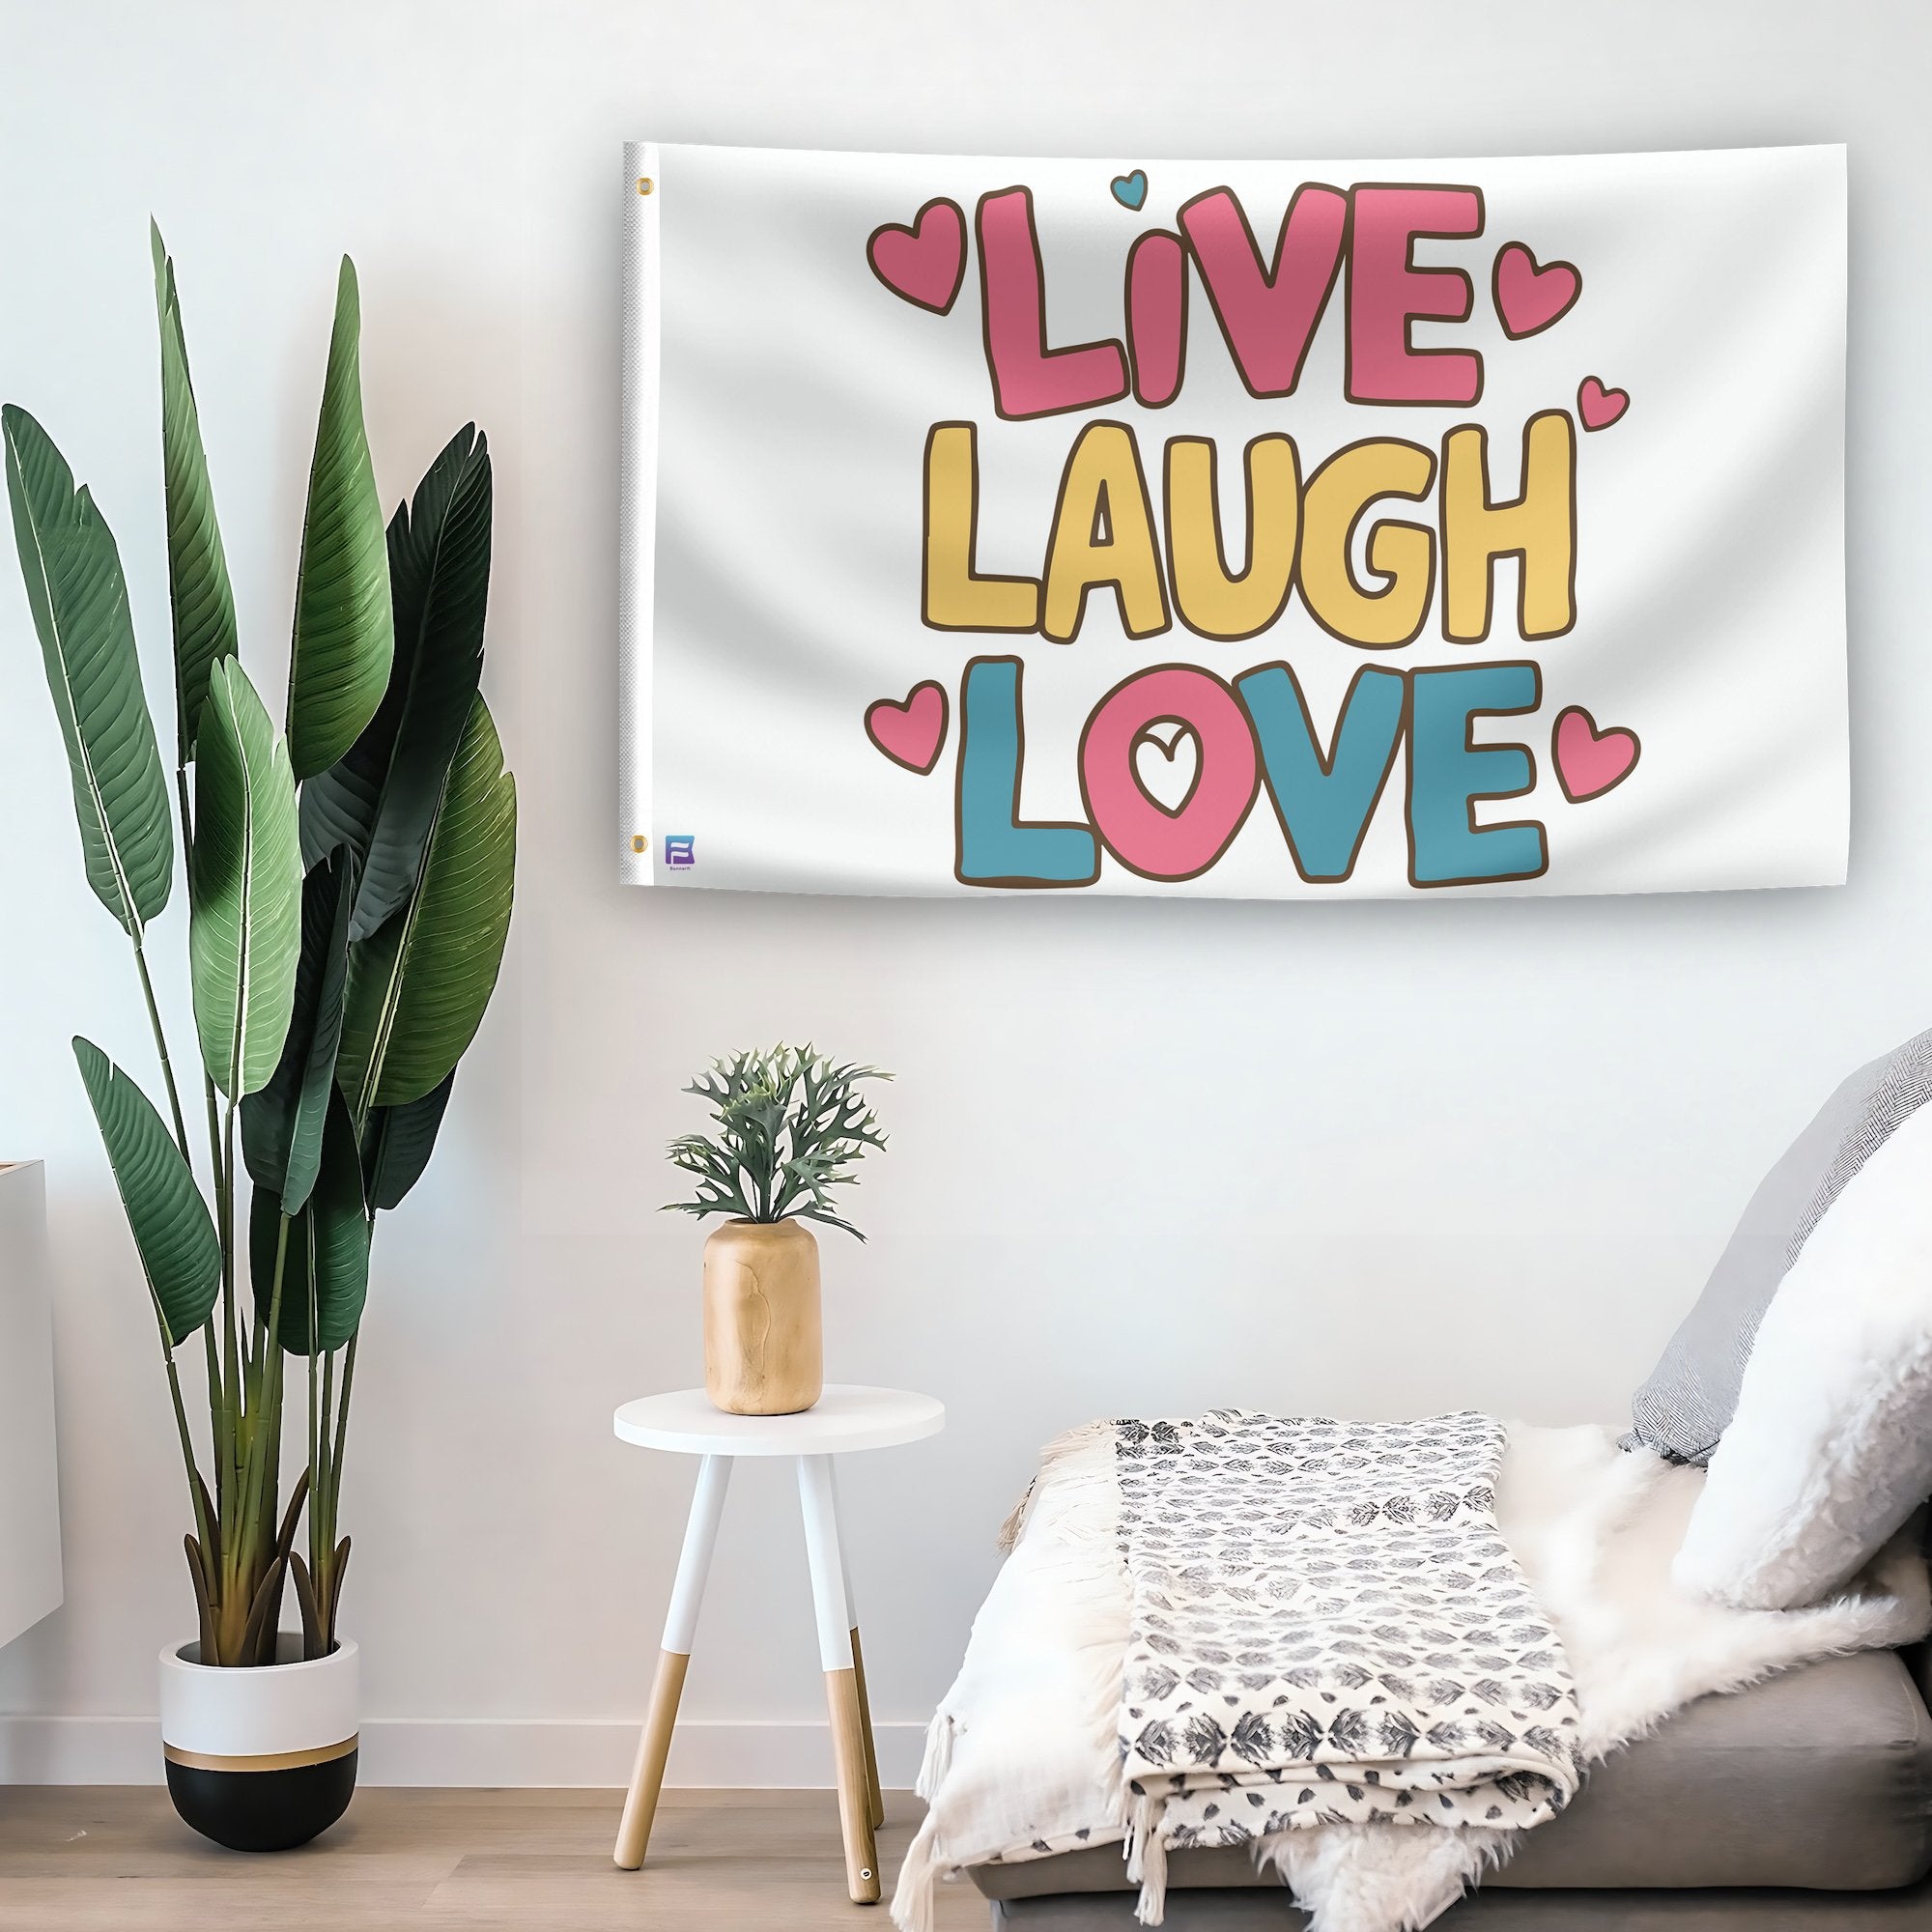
[(1831, 1449)]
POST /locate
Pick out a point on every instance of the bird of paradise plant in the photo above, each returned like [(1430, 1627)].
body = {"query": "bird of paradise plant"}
[(349, 882)]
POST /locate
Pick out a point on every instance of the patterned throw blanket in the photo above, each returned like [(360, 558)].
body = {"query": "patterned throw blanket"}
[(1327, 1627)]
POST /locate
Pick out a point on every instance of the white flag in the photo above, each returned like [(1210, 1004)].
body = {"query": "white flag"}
[(1253, 529)]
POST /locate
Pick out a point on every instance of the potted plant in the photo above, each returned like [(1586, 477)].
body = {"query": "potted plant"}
[(790, 1126), (348, 886)]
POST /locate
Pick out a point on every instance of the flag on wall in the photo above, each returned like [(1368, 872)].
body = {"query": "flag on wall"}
[(1246, 529)]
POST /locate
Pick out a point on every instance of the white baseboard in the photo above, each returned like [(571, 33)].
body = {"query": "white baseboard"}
[(479, 1752)]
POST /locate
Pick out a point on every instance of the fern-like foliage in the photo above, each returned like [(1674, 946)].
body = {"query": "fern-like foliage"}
[(791, 1125)]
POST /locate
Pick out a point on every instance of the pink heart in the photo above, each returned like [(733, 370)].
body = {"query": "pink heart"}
[(1588, 761), (1528, 298), (925, 263), (910, 734), (1597, 406)]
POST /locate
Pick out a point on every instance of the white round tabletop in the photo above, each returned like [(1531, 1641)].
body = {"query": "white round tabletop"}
[(843, 1418)]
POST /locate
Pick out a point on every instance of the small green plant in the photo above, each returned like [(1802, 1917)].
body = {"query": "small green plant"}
[(791, 1126)]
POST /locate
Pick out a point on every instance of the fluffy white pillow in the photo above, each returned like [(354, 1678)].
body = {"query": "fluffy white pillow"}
[(1831, 1449)]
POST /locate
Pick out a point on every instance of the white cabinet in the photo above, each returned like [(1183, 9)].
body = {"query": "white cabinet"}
[(29, 1559)]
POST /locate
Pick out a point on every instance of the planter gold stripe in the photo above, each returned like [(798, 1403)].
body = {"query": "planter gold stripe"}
[(267, 1761)]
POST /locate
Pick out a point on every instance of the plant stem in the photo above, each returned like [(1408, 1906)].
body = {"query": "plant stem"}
[(231, 1360), (341, 1425), (315, 1435), (194, 1487), (242, 1566), (161, 1047), (322, 1518), (234, 1419), (267, 1407), (216, 1403), (216, 1433), (324, 1500)]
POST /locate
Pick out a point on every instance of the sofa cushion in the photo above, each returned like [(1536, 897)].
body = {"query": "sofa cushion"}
[(1685, 1407), (1820, 1779), (1831, 1449)]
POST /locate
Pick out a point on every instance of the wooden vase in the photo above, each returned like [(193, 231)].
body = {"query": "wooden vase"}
[(764, 1349)]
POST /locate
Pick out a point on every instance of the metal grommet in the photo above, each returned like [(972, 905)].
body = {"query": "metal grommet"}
[(645, 184), (638, 842)]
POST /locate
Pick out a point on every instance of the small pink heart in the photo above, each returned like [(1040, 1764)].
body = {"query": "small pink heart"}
[(925, 263), (1597, 406), (1528, 298), (910, 734), (1589, 761)]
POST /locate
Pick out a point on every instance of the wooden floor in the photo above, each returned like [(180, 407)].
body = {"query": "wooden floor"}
[(76, 1859)]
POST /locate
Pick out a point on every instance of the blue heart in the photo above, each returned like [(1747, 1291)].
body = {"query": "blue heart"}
[(1130, 191)]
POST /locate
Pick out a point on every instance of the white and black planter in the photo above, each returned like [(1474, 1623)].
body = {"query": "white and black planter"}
[(261, 1760)]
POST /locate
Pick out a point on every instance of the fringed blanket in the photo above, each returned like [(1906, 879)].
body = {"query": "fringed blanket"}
[(1327, 1627), (1024, 1756)]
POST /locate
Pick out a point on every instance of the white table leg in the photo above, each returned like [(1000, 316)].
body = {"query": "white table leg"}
[(875, 1793), (818, 1504), (694, 1564)]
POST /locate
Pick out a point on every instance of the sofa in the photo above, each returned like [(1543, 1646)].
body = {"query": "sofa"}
[(1802, 1381), (1802, 1804)]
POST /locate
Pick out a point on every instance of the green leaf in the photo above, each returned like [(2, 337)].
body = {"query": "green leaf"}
[(325, 1264), (282, 1125), (198, 589), (79, 601), (246, 883), (417, 989), (397, 1144), (173, 1233), (791, 1126), (344, 637), (379, 799)]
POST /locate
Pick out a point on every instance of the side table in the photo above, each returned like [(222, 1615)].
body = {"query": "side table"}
[(845, 1419)]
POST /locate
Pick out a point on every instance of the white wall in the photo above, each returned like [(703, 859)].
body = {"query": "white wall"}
[(1368, 1158)]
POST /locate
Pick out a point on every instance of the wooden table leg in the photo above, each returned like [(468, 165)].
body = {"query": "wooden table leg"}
[(874, 1795), (693, 1564), (819, 1509), (877, 1797)]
